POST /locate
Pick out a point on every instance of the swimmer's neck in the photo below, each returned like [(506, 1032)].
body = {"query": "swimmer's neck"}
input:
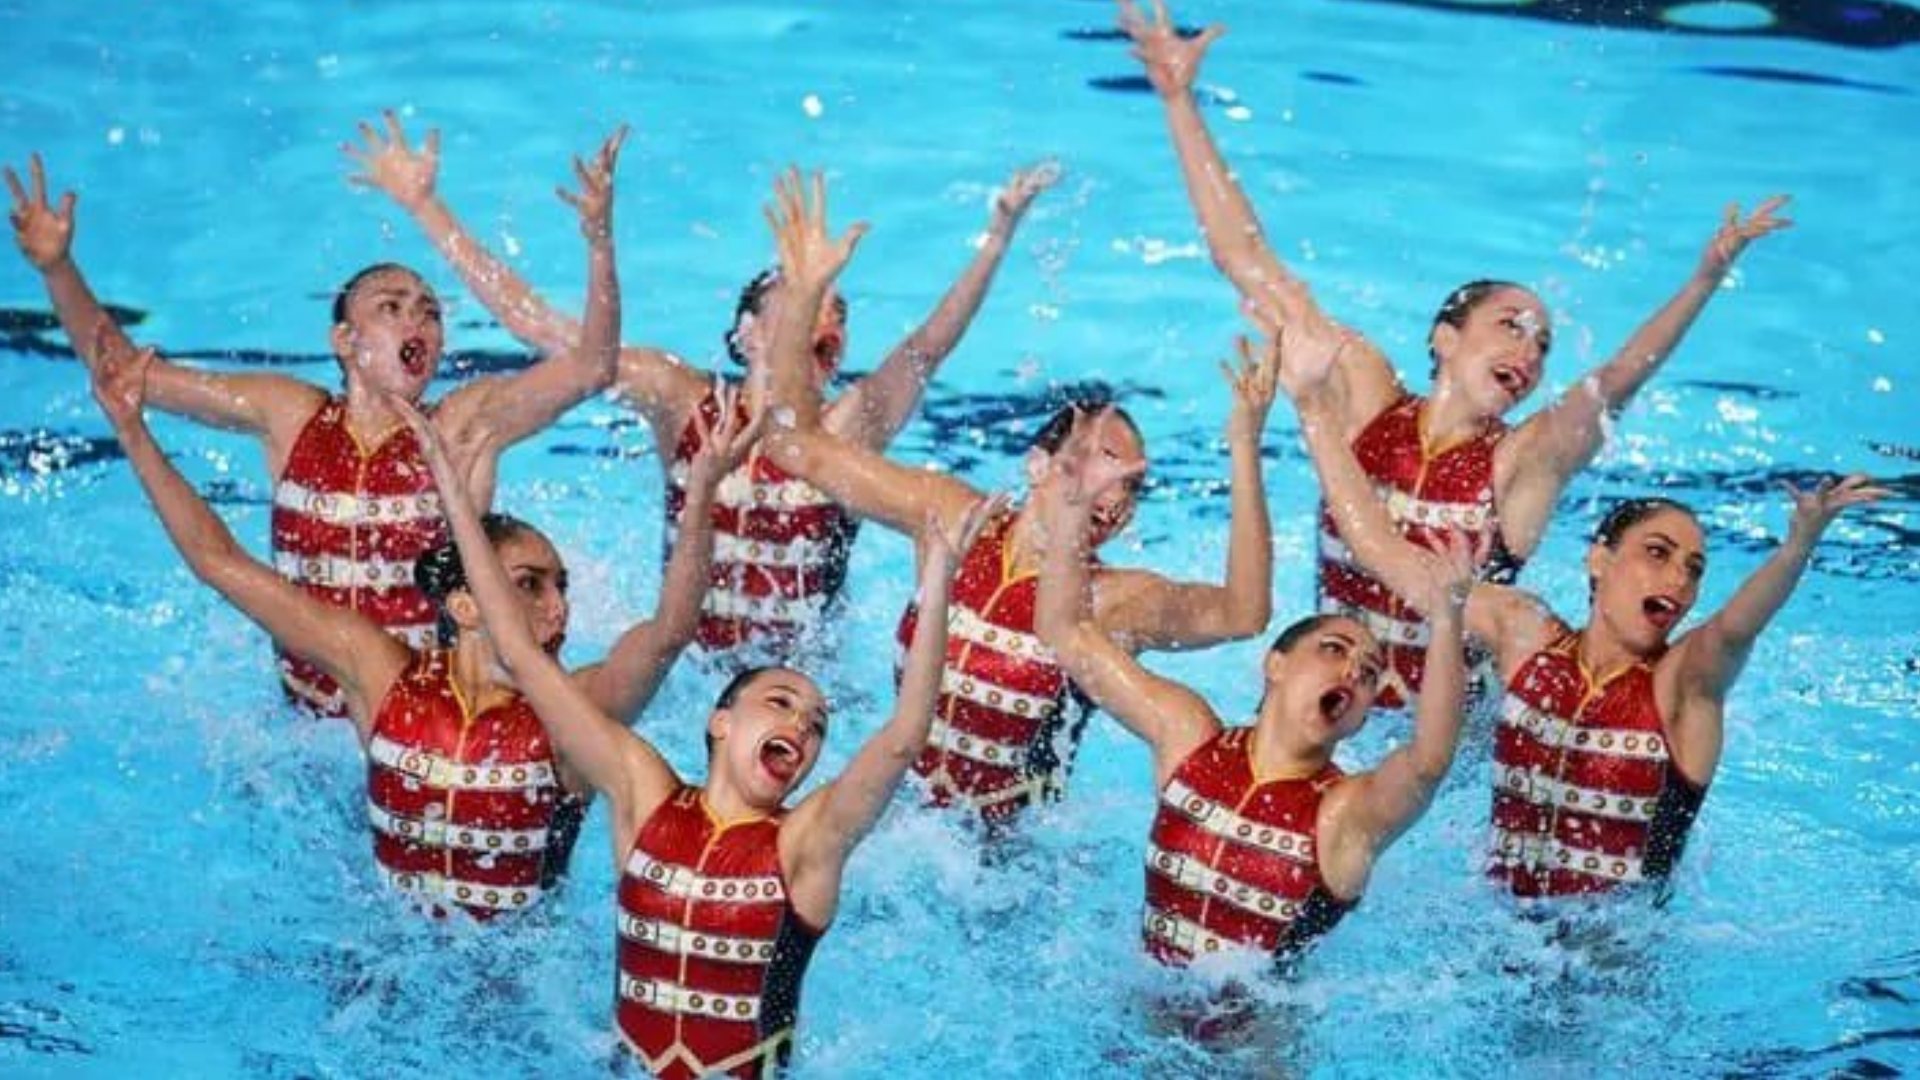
[(1026, 542), (1448, 417), (726, 804), (1274, 756), (1602, 652), (478, 673), (369, 417)]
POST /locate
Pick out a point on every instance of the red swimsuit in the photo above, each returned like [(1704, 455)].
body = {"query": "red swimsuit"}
[(710, 952), (466, 809), (1585, 795), (1425, 493), (1232, 859), (1008, 722), (779, 547), (348, 523)]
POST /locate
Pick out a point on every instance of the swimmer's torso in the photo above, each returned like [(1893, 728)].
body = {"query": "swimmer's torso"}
[(779, 547), (1008, 721), (710, 953), (348, 523), (466, 808), (1585, 796), (1425, 493), (1232, 860)]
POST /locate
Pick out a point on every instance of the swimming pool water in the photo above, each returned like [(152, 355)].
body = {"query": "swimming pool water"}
[(184, 884)]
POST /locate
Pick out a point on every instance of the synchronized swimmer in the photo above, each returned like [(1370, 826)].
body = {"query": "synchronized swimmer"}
[(398, 601)]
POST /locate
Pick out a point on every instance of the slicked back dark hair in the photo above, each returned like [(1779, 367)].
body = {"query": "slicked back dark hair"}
[(1300, 628), (752, 298), (439, 574), (345, 294), (1627, 513), (1053, 434)]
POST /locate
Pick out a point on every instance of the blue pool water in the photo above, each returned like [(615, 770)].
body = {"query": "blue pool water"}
[(184, 882)]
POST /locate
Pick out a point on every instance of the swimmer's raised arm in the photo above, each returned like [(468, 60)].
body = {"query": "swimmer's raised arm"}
[(353, 649), (1147, 611), (270, 405), (874, 409), (612, 759), (1711, 656), (1170, 718), (1227, 219), (830, 822), (1544, 453), (488, 415), (654, 382), (625, 681), (1375, 807), (867, 484)]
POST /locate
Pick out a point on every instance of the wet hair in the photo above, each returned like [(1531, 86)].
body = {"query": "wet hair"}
[(730, 693), (1053, 434), (1627, 513), (438, 572), (1624, 515), (346, 291), (1301, 628), (752, 298), (1459, 304)]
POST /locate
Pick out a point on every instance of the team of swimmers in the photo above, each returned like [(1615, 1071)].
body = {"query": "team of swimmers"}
[(398, 601)]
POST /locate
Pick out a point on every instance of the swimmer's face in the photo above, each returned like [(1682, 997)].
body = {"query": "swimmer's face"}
[(1328, 679), (1648, 581), (829, 331), (1496, 356), (540, 580), (1114, 509), (769, 739), (392, 336)]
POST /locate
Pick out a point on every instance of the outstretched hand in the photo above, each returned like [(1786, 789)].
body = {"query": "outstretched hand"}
[(808, 255), (119, 376), (433, 446), (1308, 355), (724, 443), (1815, 508), (1010, 203), (938, 549), (1171, 60), (43, 231), (1736, 232), (594, 204), (1253, 382), (389, 164)]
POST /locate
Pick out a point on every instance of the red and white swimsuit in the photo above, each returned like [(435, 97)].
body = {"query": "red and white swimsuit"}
[(1425, 492), (710, 952), (1008, 722), (779, 547), (348, 523), (466, 809), (1232, 860), (1585, 795)]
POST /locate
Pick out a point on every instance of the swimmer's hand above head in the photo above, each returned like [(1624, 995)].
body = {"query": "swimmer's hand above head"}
[(1010, 203), (1172, 61), (1736, 232), (1254, 382), (594, 204), (42, 230), (809, 256), (388, 163)]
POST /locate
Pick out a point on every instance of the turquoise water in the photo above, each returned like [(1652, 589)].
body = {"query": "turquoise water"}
[(185, 887)]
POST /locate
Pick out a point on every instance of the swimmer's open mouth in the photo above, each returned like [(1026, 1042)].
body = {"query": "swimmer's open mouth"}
[(781, 758), (413, 356), (552, 646), (1334, 704), (1512, 380), (1662, 611)]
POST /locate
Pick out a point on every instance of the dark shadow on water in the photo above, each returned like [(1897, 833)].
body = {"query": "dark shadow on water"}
[(1888, 1045), (1858, 24)]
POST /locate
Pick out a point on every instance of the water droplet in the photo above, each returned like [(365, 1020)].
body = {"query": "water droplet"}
[(812, 107)]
